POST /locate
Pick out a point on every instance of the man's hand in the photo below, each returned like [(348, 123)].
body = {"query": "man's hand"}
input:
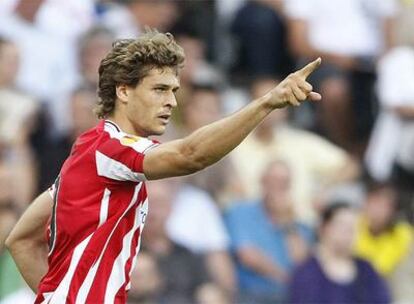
[(294, 89)]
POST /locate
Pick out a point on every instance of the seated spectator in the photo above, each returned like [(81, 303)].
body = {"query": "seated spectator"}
[(196, 69), (190, 209), (315, 163), (53, 152), (382, 239), (390, 150), (260, 33), (333, 275), (169, 273), (328, 28), (93, 46), (267, 240), (46, 33)]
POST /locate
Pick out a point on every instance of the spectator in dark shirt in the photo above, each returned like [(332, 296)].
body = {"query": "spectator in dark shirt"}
[(332, 274)]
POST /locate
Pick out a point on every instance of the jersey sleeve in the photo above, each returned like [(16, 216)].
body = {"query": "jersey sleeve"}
[(121, 158)]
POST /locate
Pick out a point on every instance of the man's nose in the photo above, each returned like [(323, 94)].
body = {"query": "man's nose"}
[(172, 100)]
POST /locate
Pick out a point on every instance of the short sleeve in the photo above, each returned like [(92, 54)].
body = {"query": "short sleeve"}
[(121, 158)]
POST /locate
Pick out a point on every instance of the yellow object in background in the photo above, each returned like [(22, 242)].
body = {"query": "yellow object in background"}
[(386, 250)]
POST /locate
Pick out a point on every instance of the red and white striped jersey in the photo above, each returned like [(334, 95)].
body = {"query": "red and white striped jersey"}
[(100, 206)]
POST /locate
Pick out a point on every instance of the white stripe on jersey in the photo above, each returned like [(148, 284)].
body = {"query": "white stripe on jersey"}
[(144, 211), (87, 283), (117, 277), (60, 294), (142, 145), (113, 169), (46, 297), (103, 212)]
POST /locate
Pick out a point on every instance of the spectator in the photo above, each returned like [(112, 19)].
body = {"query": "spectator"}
[(204, 106), (191, 207), (94, 45), (173, 273), (382, 239), (196, 69), (332, 274), (45, 33), (328, 29), (260, 33), (314, 162), (56, 149), (267, 240), (128, 19), (390, 150)]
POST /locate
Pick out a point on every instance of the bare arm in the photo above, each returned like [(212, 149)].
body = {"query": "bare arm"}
[(209, 144), (27, 243), (221, 270), (257, 261)]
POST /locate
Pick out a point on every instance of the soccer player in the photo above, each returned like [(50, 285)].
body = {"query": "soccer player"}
[(77, 242)]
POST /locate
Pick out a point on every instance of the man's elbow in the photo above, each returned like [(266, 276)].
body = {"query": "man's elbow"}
[(13, 243), (10, 242)]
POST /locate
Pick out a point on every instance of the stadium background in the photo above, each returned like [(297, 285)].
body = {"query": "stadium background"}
[(355, 146)]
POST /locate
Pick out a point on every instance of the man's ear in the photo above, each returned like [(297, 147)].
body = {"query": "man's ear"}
[(122, 93)]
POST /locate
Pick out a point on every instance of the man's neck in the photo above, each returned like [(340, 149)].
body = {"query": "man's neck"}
[(280, 218), (124, 124)]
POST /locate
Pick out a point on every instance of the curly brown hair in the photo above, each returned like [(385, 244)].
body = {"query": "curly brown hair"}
[(130, 60)]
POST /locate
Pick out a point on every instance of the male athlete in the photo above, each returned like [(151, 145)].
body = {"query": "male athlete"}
[(77, 242)]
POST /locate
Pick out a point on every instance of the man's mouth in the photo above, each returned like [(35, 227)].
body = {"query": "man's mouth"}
[(165, 117)]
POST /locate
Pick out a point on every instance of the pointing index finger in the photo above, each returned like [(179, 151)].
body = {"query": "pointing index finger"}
[(309, 68)]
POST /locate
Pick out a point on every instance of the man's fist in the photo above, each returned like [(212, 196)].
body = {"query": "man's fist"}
[(294, 89)]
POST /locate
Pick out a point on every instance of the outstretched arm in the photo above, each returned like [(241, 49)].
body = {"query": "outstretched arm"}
[(209, 144), (27, 243)]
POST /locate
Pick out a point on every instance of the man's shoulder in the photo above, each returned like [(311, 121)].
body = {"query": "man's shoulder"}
[(114, 136), (244, 208)]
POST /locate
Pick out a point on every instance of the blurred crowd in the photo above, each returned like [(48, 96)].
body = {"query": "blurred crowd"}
[(315, 206)]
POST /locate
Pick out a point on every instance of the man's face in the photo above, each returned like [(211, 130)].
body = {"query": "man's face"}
[(276, 187), (203, 109), (341, 231), (150, 103)]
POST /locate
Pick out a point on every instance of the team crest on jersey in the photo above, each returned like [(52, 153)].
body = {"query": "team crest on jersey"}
[(129, 140)]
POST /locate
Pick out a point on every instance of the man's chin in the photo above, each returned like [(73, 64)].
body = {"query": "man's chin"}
[(159, 131)]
